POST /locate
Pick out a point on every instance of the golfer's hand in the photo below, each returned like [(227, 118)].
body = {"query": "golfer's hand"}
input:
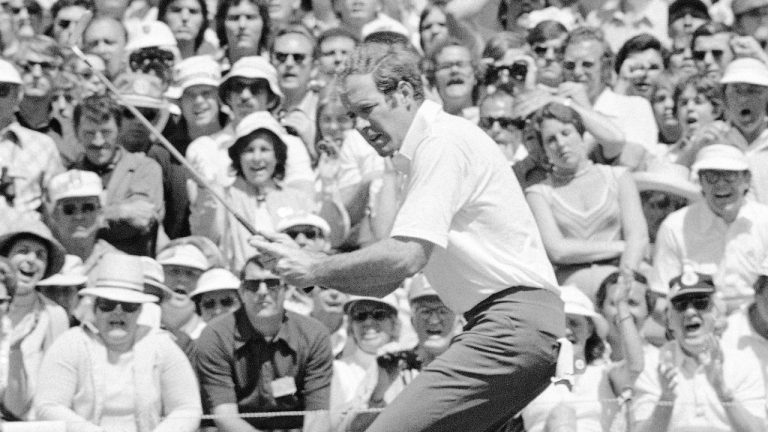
[(282, 256)]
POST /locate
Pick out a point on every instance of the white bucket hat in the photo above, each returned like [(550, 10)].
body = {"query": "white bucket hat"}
[(670, 178), (72, 274), (389, 301), (216, 279), (722, 157), (577, 303), (254, 67), (192, 71), (120, 277), (746, 70), (9, 73), (184, 255), (304, 218)]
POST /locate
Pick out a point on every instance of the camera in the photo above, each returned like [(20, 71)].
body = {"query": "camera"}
[(516, 71), (392, 360)]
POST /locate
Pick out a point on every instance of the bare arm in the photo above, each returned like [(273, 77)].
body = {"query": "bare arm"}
[(228, 420), (633, 225), (610, 138)]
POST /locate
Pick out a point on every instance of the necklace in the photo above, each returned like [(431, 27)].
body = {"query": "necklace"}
[(564, 176)]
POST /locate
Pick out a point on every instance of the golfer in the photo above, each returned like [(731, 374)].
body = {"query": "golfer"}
[(465, 222)]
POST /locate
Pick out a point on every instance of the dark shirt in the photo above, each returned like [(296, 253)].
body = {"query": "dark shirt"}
[(175, 175), (236, 364)]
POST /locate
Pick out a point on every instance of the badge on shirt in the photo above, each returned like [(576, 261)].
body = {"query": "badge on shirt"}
[(284, 386)]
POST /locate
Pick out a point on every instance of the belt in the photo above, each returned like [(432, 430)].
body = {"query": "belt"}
[(488, 301)]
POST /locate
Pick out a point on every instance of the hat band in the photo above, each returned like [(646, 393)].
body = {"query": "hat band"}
[(116, 283)]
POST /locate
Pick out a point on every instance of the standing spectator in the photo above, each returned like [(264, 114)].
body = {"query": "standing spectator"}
[(508, 64), (117, 374), (621, 20), (183, 264), (28, 159), (363, 17), (453, 76), (685, 16), (694, 382), (433, 27), (133, 204), (188, 20), (711, 49), (662, 98), (216, 294), (334, 46), (699, 102), (724, 235), (106, 37), (243, 28), (546, 40), (639, 65), (261, 358)]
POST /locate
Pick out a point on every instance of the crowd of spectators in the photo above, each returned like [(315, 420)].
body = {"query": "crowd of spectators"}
[(132, 301)]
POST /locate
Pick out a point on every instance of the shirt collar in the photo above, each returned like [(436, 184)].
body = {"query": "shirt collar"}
[(419, 129), (101, 170), (11, 133), (244, 331)]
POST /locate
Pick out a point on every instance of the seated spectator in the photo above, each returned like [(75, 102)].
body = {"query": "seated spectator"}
[(662, 98), (452, 72), (261, 358), (145, 93), (334, 46), (259, 157), (28, 159), (216, 293), (694, 382), (711, 49), (639, 64), (106, 37), (724, 235), (680, 63), (434, 26), (496, 110), (364, 17), (589, 215), (63, 287), (85, 72), (592, 389), (152, 50), (35, 321), (699, 103), (183, 265), (435, 326), (117, 374), (546, 40), (133, 205), (188, 20), (243, 28)]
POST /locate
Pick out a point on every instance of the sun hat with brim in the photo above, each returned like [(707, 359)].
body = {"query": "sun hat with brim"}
[(669, 178), (420, 288), (304, 218), (183, 255), (722, 157), (192, 71), (389, 301), (120, 278), (741, 6), (690, 282), (72, 274), (253, 67), (9, 73), (577, 303), (31, 225), (154, 278), (259, 120), (216, 279), (746, 70)]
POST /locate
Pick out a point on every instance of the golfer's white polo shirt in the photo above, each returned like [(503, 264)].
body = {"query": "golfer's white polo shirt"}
[(463, 197)]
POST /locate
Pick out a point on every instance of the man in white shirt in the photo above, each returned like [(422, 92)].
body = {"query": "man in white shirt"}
[(621, 20), (464, 221)]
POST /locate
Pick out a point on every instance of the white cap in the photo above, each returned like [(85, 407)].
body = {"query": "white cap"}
[(72, 274), (577, 303), (746, 70), (390, 301), (151, 34), (216, 279), (254, 67), (185, 255), (721, 157), (9, 73), (74, 184), (304, 218), (192, 71)]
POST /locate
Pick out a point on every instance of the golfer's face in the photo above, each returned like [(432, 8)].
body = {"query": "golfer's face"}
[(377, 117), (99, 140)]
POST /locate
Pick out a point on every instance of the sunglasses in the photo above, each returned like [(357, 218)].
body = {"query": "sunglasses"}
[(504, 122), (70, 208), (542, 50), (253, 285), (5, 89), (105, 305), (28, 66), (712, 177), (700, 303), (701, 54), (282, 57), (149, 113), (226, 302), (310, 233), (64, 23), (461, 64), (253, 86), (376, 314), (571, 65)]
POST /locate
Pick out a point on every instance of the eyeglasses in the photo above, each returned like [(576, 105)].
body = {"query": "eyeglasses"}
[(712, 177), (426, 312), (71, 208), (254, 86), (700, 303), (310, 233), (461, 64), (701, 54), (504, 122), (149, 113), (298, 58), (253, 285), (571, 65), (542, 50), (28, 66), (226, 302), (106, 305), (5, 89), (376, 314)]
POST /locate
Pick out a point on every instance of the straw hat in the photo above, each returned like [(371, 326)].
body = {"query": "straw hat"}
[(72, 274), (668, 178), (216, 279), (120, 277), (30, 225), (577, 303)]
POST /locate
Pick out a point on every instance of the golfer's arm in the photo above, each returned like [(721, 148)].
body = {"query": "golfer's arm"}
[(374, 270)]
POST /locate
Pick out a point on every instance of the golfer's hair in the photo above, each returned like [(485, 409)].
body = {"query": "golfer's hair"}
[(99, 109), (388, 65)]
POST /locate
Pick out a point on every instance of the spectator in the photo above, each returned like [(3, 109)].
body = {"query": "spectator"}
[(106, 37), (183, 264), (546, 40), (496, 120), (365, 17), (576, 243), (508, 64), (66, 15), (118, 374), (699, 103), (685, 16), (35, 321), (751, 19), (86, 74), (724, 235), (694, 383), (188, 20), (7, 291), (452, 74), (243, 28), (259, 158), (28, 159), (639, 64), (622, 20), (63, 287), (334, 46), (662, 98), (133, 204), (145, 93), (277, 360), (152, 50), (711, 49), (680, 63), (216, 294)]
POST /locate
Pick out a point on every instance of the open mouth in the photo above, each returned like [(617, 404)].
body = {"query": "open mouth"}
[(745, 115), (456, 81), (434, 332), (692, 327)]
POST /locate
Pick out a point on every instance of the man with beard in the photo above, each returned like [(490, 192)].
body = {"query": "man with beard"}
[(725, 235), (133, 204)]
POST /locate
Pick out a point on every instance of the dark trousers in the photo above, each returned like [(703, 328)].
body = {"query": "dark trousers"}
[(502, 361)]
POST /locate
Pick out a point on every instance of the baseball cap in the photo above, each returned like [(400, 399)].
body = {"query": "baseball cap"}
[(690, 282), (741, 6), (141, 90), (184, 255), (746, 70), (74, 184), (720, 157), (253, 67), (696, 8), (9, 73), (304, 218)]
